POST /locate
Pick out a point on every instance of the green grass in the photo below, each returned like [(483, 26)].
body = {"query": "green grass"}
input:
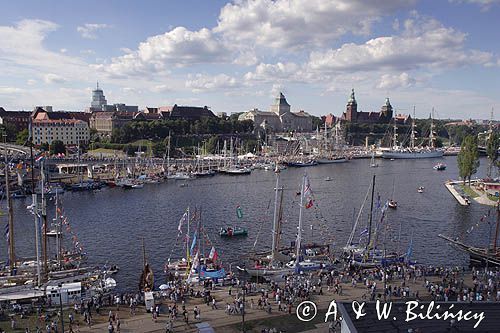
[(492, 197), (469, 191)]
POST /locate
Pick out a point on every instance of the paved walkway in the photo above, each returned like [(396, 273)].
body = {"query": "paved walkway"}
[(221, 322)]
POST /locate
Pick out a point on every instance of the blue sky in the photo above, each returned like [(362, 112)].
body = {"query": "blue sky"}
[(235, 56)]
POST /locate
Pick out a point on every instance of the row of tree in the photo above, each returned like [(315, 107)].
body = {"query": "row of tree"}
[(468, 157), (160, 129)]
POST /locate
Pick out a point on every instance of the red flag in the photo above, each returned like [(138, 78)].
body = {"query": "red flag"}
[(309, 204)]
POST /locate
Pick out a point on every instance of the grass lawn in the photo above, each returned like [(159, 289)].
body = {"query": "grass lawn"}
[(469, 191)]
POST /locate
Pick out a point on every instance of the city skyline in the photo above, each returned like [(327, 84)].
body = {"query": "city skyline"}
[(236, 56)]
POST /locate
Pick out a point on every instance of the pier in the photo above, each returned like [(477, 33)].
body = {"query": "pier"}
[(450, 185)]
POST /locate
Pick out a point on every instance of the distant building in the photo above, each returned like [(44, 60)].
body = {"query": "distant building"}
[(329, 119), (50, 126), (19, 119), (105, 122), (98, 98), (402, 119), (191, 113), (99, 103), (353, 115), (279, 118)]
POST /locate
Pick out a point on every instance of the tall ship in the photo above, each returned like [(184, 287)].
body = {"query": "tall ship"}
[(413, 152)]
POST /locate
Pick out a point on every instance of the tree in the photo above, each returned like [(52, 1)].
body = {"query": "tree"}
[(492, 151), (57, 147), (22, 137), (468, 158)]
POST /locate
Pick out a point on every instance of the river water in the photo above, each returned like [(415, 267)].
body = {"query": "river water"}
[(110, 223)]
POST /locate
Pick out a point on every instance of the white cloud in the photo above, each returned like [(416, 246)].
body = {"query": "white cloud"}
[(9, 90), (300, 23), (485, 5), (53, 78), (90, 30), (23, 52), (178, 47), (202, 82), (31, 82), (63, 50), (161, 88), (388, 81), (87, 52), (424, 43), (273, 72)]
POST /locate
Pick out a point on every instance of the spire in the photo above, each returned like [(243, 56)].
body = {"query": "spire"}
[(352, 99), (97, 85)]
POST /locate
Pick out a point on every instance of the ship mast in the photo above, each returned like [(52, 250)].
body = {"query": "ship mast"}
[(412, 135), (496, 229), (12, 257), (299, 231), (395, 137), (431, 134), (275, 217), (371, 216)]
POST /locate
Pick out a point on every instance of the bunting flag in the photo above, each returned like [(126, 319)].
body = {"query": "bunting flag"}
[(40, 157)]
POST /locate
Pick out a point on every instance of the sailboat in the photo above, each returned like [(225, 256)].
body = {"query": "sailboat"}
[(412, 152), (489, 255), (328, 156), (393, 204), (368, 255), (146, 282), (275, 265)]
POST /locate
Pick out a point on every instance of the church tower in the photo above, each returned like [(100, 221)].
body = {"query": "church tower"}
[(280, 105), (351, 112), (386, 111)]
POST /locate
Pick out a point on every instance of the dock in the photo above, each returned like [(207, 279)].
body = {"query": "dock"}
[(450, 185)]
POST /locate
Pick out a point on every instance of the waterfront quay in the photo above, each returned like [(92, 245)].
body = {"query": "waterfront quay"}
[(271, 305)]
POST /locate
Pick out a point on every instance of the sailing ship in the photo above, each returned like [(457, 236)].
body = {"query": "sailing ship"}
[(369, 255), (146, 281), (489, 255), (413, 152)]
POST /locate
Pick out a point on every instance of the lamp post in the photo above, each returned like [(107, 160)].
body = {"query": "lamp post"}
[(61, 309)]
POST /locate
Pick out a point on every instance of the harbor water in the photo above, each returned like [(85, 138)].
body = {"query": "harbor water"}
[(110, 223)]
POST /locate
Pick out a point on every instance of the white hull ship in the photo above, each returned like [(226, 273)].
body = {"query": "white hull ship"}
[(413, 152), (409, 154)]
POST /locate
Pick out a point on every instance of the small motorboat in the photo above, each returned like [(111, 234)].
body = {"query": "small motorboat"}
[(420, 189), (53, 233), (233, 232), (439, 167), (392, 204), (328, 179), (183, 185)]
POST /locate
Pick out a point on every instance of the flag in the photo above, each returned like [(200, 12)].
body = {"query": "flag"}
[(308, 193), (196, 261), (409, 252), (213, 254), (239, 212), (309, 204), (40, 157), (193, 243), (183, 219)]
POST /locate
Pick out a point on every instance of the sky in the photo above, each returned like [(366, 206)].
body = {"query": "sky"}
[(236, 56)]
